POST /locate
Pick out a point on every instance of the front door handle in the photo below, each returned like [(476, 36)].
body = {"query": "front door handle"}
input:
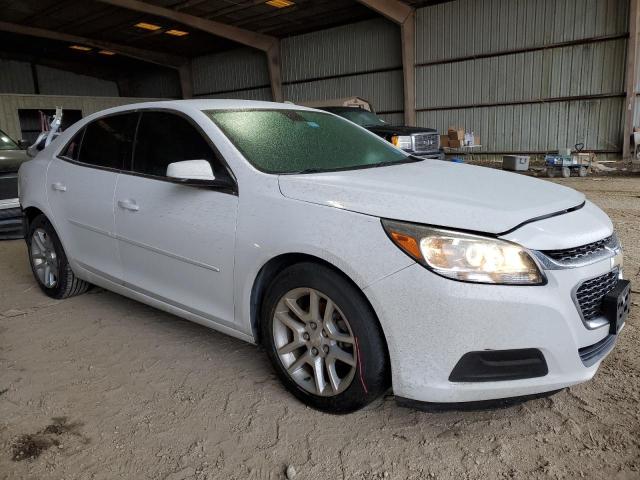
[(128, 205), (60, 187)]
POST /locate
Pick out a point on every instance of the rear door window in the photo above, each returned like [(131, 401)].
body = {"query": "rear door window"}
[(72, 149), (165, 138), (108, 141)]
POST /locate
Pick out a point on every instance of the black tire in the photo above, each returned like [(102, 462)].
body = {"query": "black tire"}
[(372, 374), (67, 284)]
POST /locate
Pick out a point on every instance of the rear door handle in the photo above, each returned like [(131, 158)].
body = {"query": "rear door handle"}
[(128, 205), (60, 187)]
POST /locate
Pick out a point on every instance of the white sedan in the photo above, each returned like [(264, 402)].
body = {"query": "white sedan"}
[(356, 265)]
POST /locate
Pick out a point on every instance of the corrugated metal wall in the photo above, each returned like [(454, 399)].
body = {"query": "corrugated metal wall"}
[(362, 59), (52, 81), (382, 89), (465, 28), (528, 75), (10, 104), (155, 84), (359, 47), (232, 72), (15, 77)]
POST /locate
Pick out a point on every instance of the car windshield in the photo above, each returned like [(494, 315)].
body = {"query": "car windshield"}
[(6, 143), (361, 117), (300, 141)]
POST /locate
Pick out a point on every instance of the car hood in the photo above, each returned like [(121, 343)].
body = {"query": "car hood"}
[(10, 160), (436, 193)]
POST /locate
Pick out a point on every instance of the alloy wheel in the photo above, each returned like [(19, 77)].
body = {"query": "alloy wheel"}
[(314, 342), (44, 258)]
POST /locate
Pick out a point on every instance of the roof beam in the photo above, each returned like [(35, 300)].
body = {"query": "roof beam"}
[(180, 64), (157, 58), (266, 43), (394, 10), (239, 35), (405, 16)]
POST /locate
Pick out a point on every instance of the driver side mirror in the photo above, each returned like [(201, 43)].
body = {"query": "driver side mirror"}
[(23, 144), (191, 170)]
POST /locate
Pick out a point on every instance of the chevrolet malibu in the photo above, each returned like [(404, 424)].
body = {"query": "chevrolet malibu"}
[(357, 266)]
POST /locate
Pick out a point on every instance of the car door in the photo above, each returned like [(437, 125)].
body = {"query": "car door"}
[(176, 241), (81, 184)]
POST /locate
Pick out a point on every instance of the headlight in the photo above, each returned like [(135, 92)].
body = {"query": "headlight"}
[(402, 141), (464, 256)]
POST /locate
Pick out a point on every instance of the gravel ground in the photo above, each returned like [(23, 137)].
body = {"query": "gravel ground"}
[(102, 387)]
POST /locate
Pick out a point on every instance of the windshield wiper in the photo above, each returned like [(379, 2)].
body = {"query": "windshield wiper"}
[(309, 170), (409, 159)]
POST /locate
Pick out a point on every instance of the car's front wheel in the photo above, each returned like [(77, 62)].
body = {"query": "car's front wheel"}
[(49, 261), (323, 339)]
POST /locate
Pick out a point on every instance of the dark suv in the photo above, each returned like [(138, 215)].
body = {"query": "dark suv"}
[(421, 142), (11, 156)]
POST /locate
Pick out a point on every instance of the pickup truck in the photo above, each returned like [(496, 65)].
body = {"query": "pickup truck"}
[(421, 142)]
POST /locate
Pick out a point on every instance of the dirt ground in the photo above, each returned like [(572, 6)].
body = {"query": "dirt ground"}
[(102, 387)]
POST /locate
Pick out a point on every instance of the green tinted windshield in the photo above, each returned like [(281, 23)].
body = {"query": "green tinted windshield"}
[(290, 141), (6, 143), (361, 117)]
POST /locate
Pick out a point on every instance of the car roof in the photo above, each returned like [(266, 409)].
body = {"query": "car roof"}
[(202, 104)]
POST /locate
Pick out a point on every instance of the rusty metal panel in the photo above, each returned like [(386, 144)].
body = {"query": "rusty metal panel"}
[(242, 68), (358, 47), (465, 28), (537, 127), (383, 89)]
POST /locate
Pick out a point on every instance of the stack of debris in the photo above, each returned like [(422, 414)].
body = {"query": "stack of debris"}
[(457, 137)]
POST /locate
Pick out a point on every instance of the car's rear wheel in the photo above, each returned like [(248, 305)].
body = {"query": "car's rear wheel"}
[(323, 339), (49, 262)]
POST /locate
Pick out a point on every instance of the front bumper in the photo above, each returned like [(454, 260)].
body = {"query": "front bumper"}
[(431, 322)]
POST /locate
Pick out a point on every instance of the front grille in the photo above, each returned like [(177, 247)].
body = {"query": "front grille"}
[(591, 292), (425, 142), (575, 253)]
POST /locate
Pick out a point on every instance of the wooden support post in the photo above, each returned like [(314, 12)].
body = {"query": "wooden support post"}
[(273, 60), (631, 77), (186, 80), (408, 30)]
